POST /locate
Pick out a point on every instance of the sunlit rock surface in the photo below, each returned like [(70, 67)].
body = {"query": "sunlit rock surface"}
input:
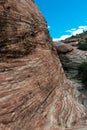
[(34, 92)]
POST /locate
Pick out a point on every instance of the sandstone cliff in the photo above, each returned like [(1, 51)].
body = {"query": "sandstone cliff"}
[(34, 92)]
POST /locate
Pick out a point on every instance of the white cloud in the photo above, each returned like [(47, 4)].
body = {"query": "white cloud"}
[(71, 32), (79, 30), (63, 37), (73, 29), (55, 39), (48, 27), (83, 27)]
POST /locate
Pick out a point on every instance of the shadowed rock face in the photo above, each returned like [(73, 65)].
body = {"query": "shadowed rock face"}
[(34, 92), (72, 60)]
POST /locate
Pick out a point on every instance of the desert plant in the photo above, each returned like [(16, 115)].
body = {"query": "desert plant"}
[(83, 46), (82, 72)]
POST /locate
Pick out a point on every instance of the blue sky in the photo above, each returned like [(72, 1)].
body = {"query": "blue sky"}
[(64, 17)]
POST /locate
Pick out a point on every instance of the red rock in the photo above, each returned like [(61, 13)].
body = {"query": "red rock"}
[(62, 47), (34, 92)]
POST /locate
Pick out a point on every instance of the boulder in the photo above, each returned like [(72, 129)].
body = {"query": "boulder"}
[(62, 47)]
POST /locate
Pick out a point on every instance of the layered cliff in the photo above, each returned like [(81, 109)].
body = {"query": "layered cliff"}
[(21, 28), (34, 92)]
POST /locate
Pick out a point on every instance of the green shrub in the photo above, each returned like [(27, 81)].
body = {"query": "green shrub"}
[(83, 46), (82, 72)]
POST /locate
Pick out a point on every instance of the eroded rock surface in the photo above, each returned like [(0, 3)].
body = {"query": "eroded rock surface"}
[(34, 92)]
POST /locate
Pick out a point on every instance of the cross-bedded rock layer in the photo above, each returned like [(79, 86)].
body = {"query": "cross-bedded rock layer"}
[(34, 92)]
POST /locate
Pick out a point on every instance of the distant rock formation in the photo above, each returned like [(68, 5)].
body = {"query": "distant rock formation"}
[(62, 47), (72, 60), (34, 92)]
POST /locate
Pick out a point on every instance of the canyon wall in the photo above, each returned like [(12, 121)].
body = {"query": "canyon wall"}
[(34, 92)]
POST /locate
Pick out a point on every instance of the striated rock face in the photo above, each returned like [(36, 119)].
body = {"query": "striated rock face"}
[(20, 28), (34, 92)]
